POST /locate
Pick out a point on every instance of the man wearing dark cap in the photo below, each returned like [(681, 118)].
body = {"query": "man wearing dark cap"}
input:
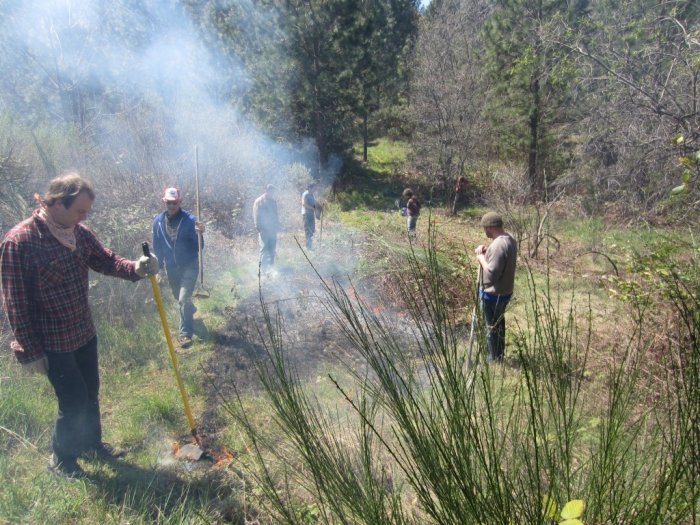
[(267, 223), (497, 280), (308, 213)]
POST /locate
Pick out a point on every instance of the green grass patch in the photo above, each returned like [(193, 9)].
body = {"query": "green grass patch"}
[(374, 185)]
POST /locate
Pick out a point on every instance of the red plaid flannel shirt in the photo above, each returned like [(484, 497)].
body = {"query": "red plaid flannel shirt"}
[(45, 287)]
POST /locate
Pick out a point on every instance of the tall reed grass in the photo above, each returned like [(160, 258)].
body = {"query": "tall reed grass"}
[(612, 423)]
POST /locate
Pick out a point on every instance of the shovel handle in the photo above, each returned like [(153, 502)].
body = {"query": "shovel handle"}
[(171, 348)]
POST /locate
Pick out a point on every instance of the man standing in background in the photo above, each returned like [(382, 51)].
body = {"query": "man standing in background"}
[(44, 263), (497, 281), (308, 213), (176, 244), (413, 207), (267, 223)]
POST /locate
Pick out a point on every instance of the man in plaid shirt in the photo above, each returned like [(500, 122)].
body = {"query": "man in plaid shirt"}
[(44, 263)]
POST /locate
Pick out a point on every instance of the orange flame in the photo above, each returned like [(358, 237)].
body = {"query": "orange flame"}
[(222, 458)]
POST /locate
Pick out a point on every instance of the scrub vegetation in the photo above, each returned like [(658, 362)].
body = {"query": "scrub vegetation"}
[(337, 388)]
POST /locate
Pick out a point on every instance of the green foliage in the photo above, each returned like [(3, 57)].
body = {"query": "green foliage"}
[(570, 513), (465, 443), (531, 75), (298, 177), (314, 69), (690, 162)]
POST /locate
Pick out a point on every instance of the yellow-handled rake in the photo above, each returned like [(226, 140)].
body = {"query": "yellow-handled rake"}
[(193, 452)]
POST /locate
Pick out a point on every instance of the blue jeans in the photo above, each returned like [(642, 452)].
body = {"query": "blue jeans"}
[(76, 380), (309, 229), (182, 281), (495, 321), (411, 223), (268, 247)]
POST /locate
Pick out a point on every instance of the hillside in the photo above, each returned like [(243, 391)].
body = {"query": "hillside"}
[(336, 385)]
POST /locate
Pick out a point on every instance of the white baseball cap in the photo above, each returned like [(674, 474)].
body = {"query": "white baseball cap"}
[(171, 194)]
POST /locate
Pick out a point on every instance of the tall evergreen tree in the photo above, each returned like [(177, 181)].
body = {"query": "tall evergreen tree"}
[(387, 34), (309, 68), (531, 77)]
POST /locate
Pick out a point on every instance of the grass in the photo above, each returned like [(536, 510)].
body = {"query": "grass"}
[(576, 413), (538, 430), (374, 186)]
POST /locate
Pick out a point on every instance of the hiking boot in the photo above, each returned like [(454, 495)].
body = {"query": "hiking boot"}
[(68, 469), (185, 342), (104, 452)]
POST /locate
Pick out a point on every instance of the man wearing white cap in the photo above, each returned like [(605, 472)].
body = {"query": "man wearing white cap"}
[(176, 245)]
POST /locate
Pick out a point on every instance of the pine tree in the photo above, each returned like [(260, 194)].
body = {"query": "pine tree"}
[(531, 77)]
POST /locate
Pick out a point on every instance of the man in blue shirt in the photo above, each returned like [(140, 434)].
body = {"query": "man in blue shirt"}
[(176, 244)]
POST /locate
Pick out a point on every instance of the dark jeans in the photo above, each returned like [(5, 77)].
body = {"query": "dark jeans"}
[(268, 247), (495, 321), (182, 281), (309, 229), (75, 379)]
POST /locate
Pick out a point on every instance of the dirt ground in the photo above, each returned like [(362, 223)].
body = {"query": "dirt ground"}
[(294, 297)]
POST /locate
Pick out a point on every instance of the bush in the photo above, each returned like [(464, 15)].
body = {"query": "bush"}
[(436, 441)]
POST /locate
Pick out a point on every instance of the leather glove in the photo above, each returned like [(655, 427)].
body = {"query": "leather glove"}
[(40, 366), (147, 266), (199, 227)]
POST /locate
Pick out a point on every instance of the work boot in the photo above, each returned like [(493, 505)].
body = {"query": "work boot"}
[(185, 342), (104, 451), (68, 469)]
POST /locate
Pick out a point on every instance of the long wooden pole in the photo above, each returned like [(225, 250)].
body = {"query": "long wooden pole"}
[(199, 218)]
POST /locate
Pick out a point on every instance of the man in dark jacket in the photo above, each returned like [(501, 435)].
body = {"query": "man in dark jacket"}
[(267, 223), (176, 243), (44, 263)]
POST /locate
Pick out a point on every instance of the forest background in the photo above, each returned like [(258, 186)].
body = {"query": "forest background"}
[(583, 111)]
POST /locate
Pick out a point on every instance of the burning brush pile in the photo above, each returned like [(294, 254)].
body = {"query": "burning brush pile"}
[(297, 305)]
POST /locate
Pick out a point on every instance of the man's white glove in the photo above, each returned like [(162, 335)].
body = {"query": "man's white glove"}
[(147, 266), (199, 227), (40, 366)]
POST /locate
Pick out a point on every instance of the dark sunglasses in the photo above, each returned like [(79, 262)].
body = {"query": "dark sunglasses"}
[(173, 203)]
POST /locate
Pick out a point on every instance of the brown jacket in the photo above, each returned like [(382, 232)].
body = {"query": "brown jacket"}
[(499, 277)]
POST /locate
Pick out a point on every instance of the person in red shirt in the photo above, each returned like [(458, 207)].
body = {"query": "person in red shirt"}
[(413, 207), (44, 263)]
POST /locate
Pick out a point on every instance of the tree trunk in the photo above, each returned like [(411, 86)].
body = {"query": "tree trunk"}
[(320, 135), (533, 179), (364, 136)]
